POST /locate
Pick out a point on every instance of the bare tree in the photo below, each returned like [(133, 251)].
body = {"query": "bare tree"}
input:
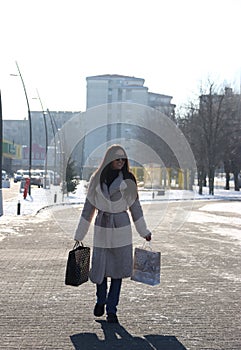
[(190, 125), (211, 130), (232, 137), (212, 119)]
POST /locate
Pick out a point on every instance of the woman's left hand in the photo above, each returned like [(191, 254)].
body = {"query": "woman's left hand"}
[(148, 237)]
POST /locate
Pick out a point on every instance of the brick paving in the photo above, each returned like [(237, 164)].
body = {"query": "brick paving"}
[(197, 306)]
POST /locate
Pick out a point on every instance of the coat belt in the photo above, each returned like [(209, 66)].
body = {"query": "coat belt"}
[(106, 219)]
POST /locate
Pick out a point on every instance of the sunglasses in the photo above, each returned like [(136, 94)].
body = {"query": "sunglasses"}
[(119, 159)]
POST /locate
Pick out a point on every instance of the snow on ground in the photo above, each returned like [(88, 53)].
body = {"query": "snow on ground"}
[(216, 212), (53, 197)]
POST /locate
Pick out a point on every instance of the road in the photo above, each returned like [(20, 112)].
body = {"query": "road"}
[(196, 306)]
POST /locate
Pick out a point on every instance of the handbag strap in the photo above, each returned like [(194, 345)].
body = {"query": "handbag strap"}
[(77, 244)]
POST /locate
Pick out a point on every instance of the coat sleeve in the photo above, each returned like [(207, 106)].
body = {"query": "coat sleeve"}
[(138, 218), (85, 220)]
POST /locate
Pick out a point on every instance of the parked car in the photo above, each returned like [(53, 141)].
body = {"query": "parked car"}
[(18, 176), (5, 180), (37, 178)]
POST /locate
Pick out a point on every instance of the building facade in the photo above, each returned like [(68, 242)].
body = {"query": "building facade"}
[(17, 133), (111, 94), (103, 89), (12, 153)]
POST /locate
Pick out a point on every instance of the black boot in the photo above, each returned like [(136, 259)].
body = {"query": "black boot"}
[(99, 310), (112, 318)]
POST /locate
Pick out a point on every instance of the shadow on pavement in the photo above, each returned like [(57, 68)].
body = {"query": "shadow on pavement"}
[(116, 337)]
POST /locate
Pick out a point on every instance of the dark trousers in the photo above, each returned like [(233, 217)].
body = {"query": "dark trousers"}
[(111, 297)]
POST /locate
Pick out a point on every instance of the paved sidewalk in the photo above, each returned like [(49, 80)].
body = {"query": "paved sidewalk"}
[(196, 306)]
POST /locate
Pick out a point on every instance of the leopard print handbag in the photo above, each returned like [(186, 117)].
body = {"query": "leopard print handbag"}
[(77, 269)]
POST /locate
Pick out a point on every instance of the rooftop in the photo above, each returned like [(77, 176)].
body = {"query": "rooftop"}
[(113, 76)]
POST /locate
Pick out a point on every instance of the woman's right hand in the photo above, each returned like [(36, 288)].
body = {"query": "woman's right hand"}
[(148, 237)]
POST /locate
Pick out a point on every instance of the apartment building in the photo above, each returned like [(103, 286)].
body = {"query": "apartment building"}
[(109, 97), (102, 89)]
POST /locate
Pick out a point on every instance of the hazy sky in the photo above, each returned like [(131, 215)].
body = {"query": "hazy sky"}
[(173, 45)]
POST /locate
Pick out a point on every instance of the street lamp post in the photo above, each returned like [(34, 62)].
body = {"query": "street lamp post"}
[(46, 141), (30, 127), (54, 130)]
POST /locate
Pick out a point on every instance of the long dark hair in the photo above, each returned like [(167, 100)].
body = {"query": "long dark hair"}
[(100, 174)]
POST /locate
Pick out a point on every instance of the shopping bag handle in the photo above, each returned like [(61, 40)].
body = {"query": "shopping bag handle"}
[(147, 243)]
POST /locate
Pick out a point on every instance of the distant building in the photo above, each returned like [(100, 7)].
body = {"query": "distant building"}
[(162, 103), (38, 156), (12, 153), (108, 88), (18, 132), (115, 90), (102, 89)]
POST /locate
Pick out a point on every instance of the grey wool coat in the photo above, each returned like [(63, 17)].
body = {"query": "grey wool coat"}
[(112, 244)]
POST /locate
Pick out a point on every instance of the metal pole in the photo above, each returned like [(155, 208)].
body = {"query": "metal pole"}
[(1, 153), (46, 142), (30, 129), (54, 132)]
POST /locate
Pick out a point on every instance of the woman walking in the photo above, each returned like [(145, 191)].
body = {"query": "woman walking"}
[(112, 191)]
